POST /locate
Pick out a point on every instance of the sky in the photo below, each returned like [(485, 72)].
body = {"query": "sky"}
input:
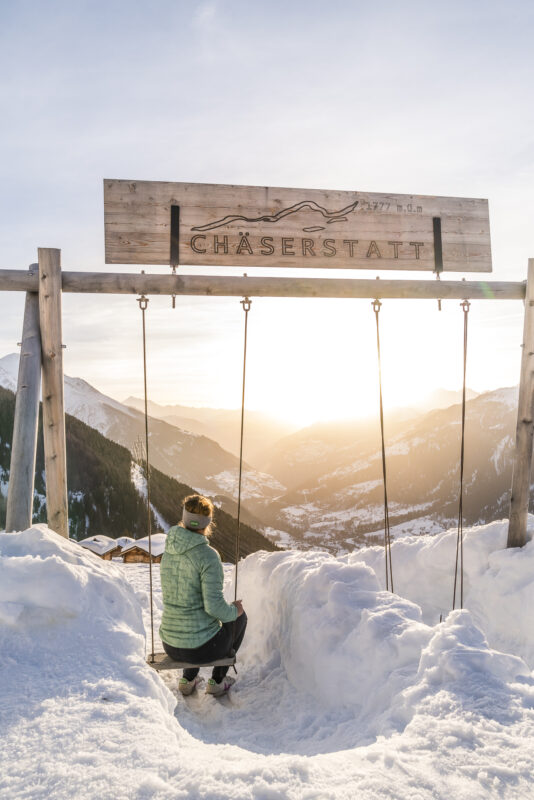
[(415, 97)]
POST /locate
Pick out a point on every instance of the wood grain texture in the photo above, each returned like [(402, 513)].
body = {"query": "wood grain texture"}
[(18, 280), (224, 286), (265, 226), (213, 286), (24, 443), (163, 662), (522, 465), (53, 399)]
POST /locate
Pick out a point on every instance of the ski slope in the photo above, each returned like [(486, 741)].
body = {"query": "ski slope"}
[(344, 690)]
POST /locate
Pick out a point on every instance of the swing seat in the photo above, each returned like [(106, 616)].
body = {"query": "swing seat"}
[(164, 662)]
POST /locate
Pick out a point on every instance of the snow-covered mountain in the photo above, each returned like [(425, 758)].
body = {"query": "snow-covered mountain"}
[(190, 458), (335, 473), (107, 490), (443, 398), (322, 486), (222, 425), (9, 367)]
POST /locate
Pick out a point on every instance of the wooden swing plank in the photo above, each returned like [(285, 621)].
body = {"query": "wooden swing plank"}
[(164, 662)]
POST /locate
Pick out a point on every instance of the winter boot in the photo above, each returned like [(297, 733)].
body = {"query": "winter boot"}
[(188, 687), (217, 689)]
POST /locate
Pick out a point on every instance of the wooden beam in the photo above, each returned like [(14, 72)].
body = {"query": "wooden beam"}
[(18, 280), (53, 401), (24, 443), (228, 286), (522, 467)]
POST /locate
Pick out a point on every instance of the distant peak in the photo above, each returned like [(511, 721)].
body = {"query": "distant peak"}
[(9, 362)]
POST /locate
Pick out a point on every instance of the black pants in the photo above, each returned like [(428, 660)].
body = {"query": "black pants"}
[(228, 638)]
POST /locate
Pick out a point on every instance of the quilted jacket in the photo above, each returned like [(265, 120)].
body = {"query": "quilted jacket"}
[(192, 586)]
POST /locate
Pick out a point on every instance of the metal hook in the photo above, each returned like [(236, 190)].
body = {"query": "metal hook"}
[(143, 302), (438, 278), (246, 303), (173, 268), (465, 306), (377, 305)]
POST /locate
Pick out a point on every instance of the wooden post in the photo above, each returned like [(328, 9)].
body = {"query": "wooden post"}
[(24, 444), (53, 401), (517, 528)]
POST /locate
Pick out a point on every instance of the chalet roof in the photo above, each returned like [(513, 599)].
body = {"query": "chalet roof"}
[(99, 544), (158, 544), (124, 541)]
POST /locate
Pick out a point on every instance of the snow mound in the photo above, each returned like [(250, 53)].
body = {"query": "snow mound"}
[(324, 635), (329, 620), (72, 664), (498, 582), (344, 689), (57, 594)]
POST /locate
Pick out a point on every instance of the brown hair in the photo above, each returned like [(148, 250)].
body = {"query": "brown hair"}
[(198, 504)]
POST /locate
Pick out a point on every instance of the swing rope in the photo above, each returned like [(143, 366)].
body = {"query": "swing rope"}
[(387, 536), (460, 536), (246, 303), (143, 303)]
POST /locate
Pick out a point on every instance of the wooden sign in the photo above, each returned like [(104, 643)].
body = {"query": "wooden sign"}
[(151, 222)]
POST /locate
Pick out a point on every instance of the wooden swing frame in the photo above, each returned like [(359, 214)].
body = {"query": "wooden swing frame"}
[(42, 353)]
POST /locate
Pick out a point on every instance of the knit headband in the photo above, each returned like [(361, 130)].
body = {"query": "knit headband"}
[(196, 522)]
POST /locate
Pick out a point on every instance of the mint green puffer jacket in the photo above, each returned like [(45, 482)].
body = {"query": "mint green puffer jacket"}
[(192, 587)]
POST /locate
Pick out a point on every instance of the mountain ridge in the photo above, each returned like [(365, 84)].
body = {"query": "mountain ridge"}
[(322, 485), (103, 497), (338, 497), (193, 459)]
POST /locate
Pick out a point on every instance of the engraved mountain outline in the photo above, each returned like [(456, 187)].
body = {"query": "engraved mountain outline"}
[(311, 205)]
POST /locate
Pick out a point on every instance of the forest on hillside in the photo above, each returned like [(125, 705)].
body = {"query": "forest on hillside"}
[(102, 496)]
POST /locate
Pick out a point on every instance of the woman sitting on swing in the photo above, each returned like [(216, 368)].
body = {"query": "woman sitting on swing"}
[(198, 625)]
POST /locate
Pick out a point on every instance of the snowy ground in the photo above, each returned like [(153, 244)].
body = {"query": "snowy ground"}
[(344, 690)]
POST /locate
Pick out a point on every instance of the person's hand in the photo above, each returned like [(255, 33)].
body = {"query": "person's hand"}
[(239, 605)]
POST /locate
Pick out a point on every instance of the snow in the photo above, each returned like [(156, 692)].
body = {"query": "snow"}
[(9, 371), (508, 397), (498, 582), (85, 402), (139, 481), (403, 448), (158, 544), (254, 483), (296, 514), (122, 541), (281, 538), (316, 516), (81, 399), (344, 690), (503, 449), (419, 526), (348, 469), (357, 489), (99, 544), (4, 482)]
